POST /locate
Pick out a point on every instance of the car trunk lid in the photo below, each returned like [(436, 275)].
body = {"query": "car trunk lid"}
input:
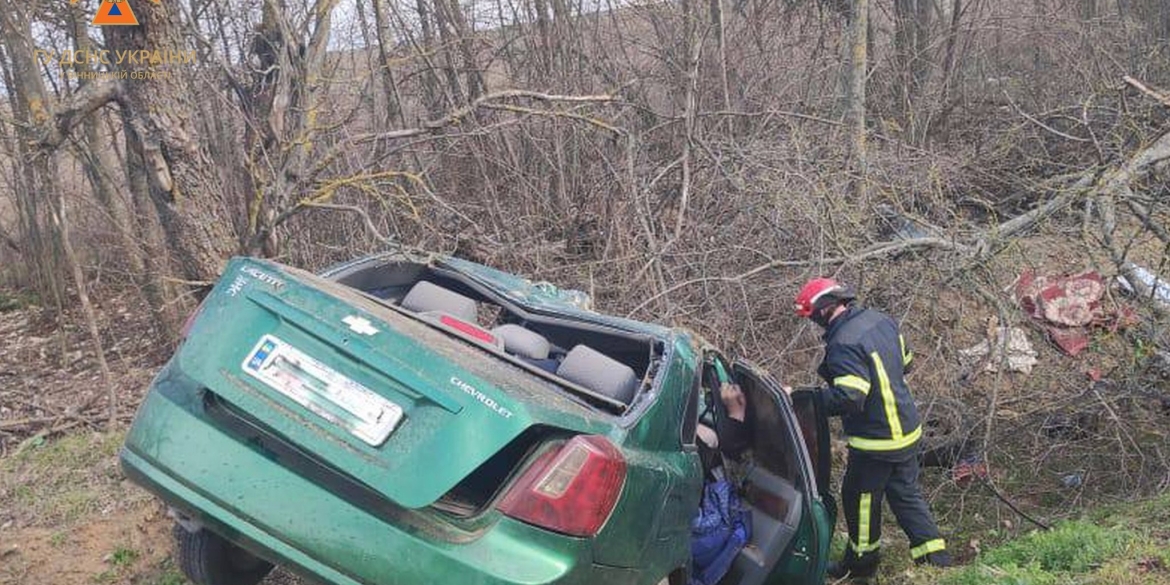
[(397, 405)]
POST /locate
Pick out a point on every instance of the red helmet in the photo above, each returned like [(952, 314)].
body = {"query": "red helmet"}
[(818, 290)]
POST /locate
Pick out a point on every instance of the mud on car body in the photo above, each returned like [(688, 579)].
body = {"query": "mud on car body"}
[(418, 419)]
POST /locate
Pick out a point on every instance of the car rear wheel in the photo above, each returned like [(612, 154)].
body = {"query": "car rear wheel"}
[(676, 577), (208, 559)]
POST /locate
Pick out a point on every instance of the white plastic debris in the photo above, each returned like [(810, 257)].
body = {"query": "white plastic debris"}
[(1010, 348), (1147, 285)]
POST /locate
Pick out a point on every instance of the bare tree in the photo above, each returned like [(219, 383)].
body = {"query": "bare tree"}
[(858, 74)]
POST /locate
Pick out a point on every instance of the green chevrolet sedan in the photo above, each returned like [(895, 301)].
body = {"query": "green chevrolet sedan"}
[(409, 418)]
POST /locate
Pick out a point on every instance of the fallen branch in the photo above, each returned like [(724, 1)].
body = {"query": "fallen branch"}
[(28, 424), (1117, 185), (1143, 213), (1161, 97), (1111, 183), (22, 423), (1024, 221)]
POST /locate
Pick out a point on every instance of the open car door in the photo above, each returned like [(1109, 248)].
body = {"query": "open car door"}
[(809, 408), (792, 522)]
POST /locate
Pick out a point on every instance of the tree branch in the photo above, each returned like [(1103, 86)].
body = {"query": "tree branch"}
[(1037, 122), (874, 251), (457, 115), (68, 114), (1161, 97), (365, 218)]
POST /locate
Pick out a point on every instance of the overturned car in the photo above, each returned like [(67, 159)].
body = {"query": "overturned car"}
[(411, 418)]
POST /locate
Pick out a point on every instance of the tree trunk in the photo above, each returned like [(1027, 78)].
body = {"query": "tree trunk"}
[(286, 101), (858, 42), (1086, 9), (904, 52), (911, 47), (939, 123), (101, 169), (183, 183), (98, 160), (547, 43), (153, 241), (458, 21), (389, 83), (430, 79), (30, 103), (719, 21), (39, 107)]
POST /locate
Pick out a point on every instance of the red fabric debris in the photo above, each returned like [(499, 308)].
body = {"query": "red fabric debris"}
[(1068, 306), (968, 470)]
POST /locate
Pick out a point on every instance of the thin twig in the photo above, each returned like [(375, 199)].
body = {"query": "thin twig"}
[(1037, 122)]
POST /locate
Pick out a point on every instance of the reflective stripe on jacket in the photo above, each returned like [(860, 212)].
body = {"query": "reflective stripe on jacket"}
[(865, 361)]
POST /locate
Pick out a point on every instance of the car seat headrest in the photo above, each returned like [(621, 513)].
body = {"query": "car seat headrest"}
[(523, 342), (426, 297)]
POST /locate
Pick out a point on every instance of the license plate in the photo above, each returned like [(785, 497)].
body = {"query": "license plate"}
[(321, 389)]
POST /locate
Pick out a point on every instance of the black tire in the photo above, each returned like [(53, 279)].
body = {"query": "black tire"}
[(207, 558), (676, 577), (946, 431)]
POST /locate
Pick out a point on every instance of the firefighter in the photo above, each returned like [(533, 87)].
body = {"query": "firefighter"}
[(865, 359)]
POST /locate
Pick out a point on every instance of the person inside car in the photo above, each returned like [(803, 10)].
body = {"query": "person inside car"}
[(722, 525)]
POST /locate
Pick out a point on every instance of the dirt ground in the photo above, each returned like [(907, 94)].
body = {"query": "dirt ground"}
[(49, 379), (67, 516), (130, 546)]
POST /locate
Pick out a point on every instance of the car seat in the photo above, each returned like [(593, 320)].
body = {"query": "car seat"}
[(600, 373)]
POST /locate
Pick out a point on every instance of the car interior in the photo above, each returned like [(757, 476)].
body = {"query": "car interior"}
[(603, 366)]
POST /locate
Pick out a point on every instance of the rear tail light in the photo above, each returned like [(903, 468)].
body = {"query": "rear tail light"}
[(571, 490)]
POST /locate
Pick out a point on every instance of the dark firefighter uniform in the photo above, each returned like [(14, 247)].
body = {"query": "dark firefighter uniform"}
[(865, 359)]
